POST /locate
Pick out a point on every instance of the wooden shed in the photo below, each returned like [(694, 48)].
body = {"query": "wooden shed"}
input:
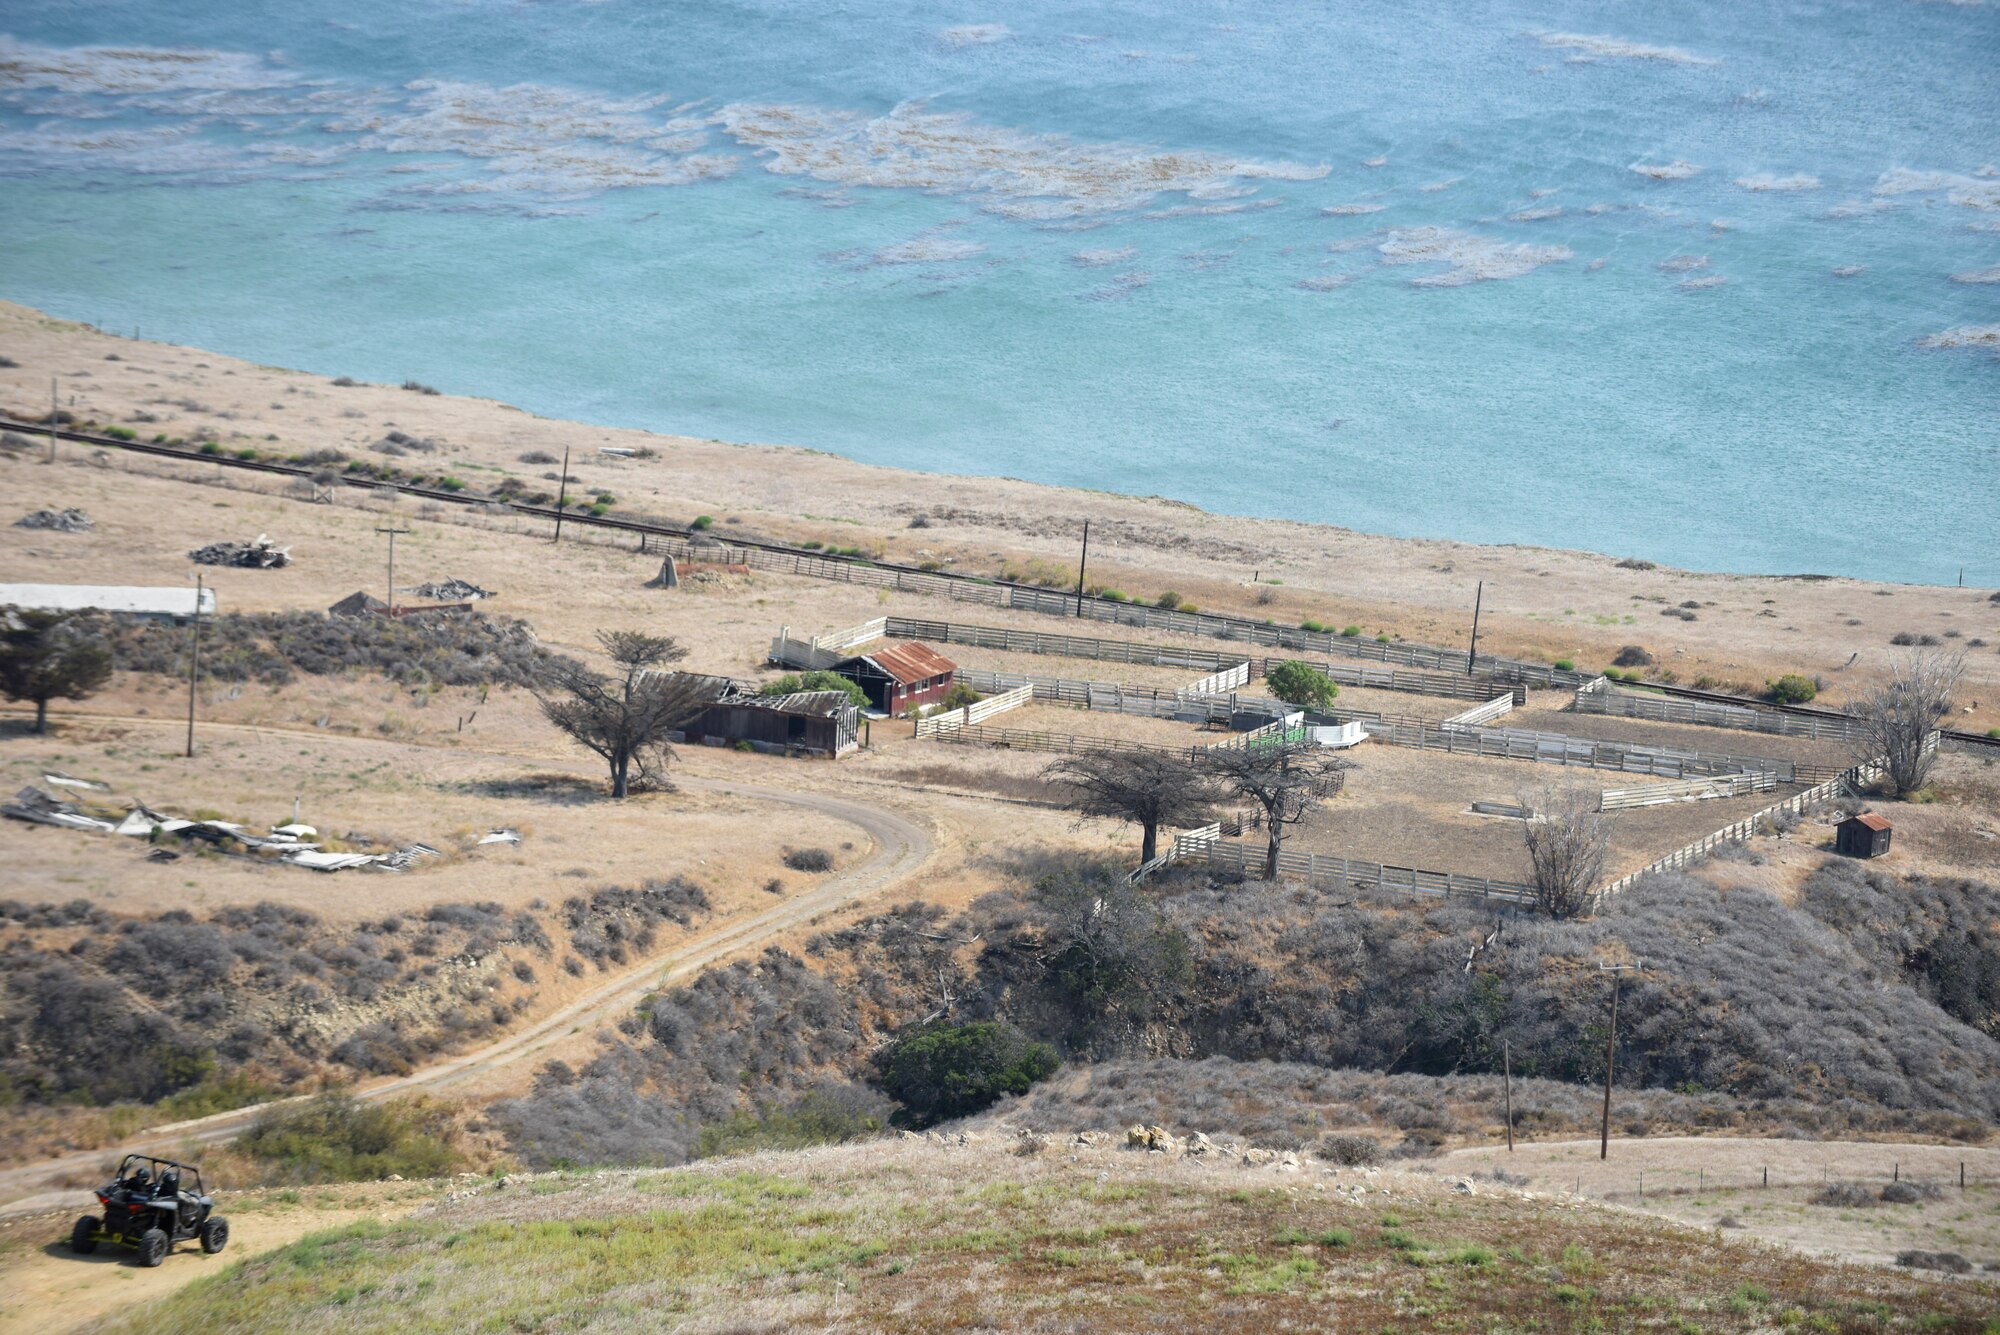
[(902, 677), (810, 722), (1863, 836)]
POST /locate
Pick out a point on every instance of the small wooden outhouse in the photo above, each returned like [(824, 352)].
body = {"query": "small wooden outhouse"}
[(1863, 836)]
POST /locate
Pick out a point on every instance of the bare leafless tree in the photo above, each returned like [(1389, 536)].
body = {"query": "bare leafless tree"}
[(1287, 782), (1899, 716), (1567, 838), (1148, 788), (625, 716)]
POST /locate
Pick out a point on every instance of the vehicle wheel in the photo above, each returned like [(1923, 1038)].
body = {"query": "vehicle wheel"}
[(83, 1238), (152, 1247), (214, 1234)]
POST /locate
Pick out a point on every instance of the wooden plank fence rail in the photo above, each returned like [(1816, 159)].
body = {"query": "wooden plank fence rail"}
[(1024, 739), (975, 713), (1450, 687), (1217, 682), (839, 569), (1600, 697), (1481, 714), (1147, 701), (1687, 790)]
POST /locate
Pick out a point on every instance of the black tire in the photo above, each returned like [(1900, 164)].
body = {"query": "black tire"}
[(152, 1247), (214, 1234), (83, 1238)]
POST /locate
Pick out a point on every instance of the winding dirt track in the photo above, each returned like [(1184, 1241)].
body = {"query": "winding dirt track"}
[(901, 846)]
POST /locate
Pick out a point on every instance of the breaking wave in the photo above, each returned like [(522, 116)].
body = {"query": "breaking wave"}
[(1964, 336), (1676, 170), (1762, 181), (1617, 48)]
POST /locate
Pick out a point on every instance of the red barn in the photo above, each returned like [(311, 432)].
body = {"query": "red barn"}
[(901, 678)]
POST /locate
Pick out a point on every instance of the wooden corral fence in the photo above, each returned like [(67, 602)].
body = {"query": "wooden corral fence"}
[(839, 569), (1847, 781), (1111, 697), (1290, 729), (975, 713), (1062, 743), (1600, 697), (1207, 847), (1554, 748), (1451, 687), (1066, 646), (1686, 790), (1216, 626)]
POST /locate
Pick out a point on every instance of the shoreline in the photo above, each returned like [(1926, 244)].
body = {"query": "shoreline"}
[(1547, 603)]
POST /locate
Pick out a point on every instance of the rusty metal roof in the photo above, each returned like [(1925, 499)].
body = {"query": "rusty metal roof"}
[(911, 663), (1872, 821), (813, 704)]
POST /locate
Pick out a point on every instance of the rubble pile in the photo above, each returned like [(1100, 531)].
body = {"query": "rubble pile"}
[(452, 591), (262, 554), (62, 521)]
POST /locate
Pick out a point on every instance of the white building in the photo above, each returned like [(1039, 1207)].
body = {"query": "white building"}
[(154, 603)]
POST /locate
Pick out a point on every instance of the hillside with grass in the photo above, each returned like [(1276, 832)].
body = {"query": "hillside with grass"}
[(1019, 1233)]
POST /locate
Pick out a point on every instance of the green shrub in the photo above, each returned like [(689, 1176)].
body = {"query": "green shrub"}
[(943, 1071), (1993, 733), (160, 438), (810, 545), (1170, 600), (1350, 631), (704, 522), (338, 1138), (1383, 638), (451, 484), (1792, 689), (1301, 684), (1113, 596), (817, 1119), (961, 695), (1565, 665), (746, 746), (820, 680), (217, 1094), (246, 453), (606, 498), (121, 433), (1313, 626), (210, 447)]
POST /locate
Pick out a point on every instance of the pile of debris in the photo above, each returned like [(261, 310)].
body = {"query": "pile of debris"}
[(452, 591), (263, 554), (62, 521), (294, 843)]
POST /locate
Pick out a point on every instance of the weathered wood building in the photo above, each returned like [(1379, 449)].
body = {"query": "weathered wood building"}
[(1864, 836), (902, 677), (805, 723)]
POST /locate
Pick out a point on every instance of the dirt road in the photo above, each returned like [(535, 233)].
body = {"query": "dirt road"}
[(900, 847)]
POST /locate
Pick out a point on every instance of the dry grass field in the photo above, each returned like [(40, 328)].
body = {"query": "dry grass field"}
[(909, 1236)]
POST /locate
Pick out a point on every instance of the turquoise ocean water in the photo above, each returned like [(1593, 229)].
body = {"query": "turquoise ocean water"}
[(1711, 285)]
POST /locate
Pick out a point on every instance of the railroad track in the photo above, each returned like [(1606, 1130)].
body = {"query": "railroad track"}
[(647, 527)]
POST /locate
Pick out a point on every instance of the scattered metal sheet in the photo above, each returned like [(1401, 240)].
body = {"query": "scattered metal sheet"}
[(502, 837), (61, 780), (331, 861), (32, 804)]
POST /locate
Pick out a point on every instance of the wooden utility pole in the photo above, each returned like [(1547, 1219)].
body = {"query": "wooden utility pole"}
[(1617, 972), (392, 532), (1507, 1074), (52, 419), (1081, 560), (194, 663), (562, 494), (1472, 653)]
